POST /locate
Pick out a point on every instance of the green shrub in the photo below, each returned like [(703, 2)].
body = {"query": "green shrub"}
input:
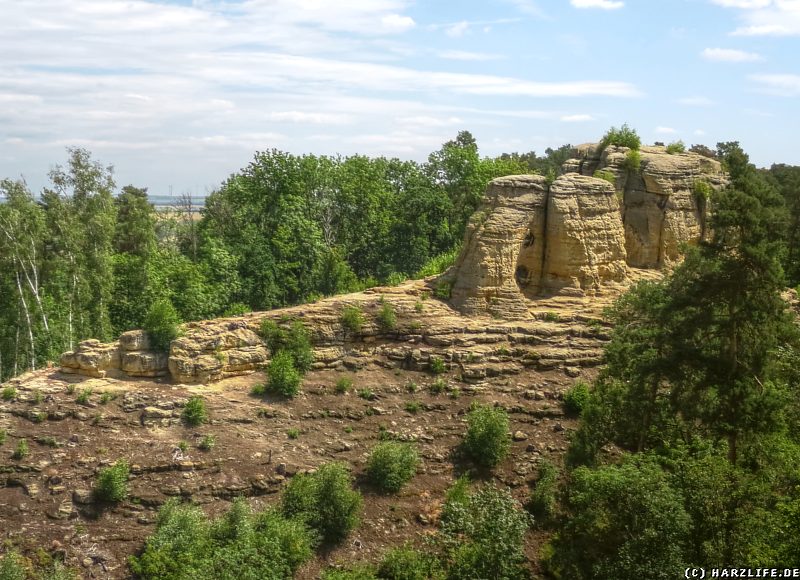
[(13, 567), (22, 450), (3, 435), (542, 503), (487, 440), (676, 147), (195, 413), (207, 443), (236, 309), (702, 192), (413, 407), (324, 500), (443, 290), (622, 137), (352, 319), (606, 175), (106, 397), (482, 533), (438, 264), (294, 340), (9, 393), (438, 386), (343, 385), (391, 466), (258, 390), (240, 544), (293, 433), (633, 161), (284, 379), (162, 324), (357, 572), (366, 394), (418, 306), (387, 317), (406, 563), (576, 398), (183, 446), (112, 482), (83, 397), (437, 365)]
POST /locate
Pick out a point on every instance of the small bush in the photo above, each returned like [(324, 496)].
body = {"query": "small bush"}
[(413, 407), (38, 397), (676, 147), (3, 435), (622, 137), (183, 446), (406, 563), (195, 412), (418, 306), (437, 365), (352, 319), (606, 175), (112, 482), (21, 451), (487, 441), (293, 433), (443, 290), (343, 385), (12, 567), (438, 386), (295, 340), (387, 317), (258, 390), (576, 397), (207, 443), (551, 317), (162, 324), (702, 192), (9, 393), (84, 396), (284, 379), (324, 500), (542, 503), (391, 466), (106, 397), (357, 572), (633, 161), (438, 264)]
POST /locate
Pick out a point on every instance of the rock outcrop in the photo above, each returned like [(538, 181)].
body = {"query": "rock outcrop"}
[(580, 234)]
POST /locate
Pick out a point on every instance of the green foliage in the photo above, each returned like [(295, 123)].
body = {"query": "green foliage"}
[(352, 319), (625, 522), (387, 317), (21, 451), (13, 567), (438, 386), (482, 533), (487, 440), (295, 340), (9, 393), (258, 390), (162, 324), (676, 147), (343, 385), (702, 193), (293, 433), (437, 365), (543, 502), (112, 482), (106, 397), (413, 407), (324, 500), (633, 161), (622, 137), (443, 289), (406, 563), (284, 379), (83, 397), (195, 412), (3, 435), (391, 465), (439, 264), (240, 544), (606, 175), (366, 394), (576, 398), (358, 572), (207, 443)]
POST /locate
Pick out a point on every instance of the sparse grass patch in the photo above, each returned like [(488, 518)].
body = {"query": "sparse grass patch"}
[(107, 397), (207, 443), (418, 306), (606, 175), (391, 466), (258, 390), (551, 317), (293, 433), (112, 482), (71, 389), (183, 446), (444, 290), (195, 412), (366, 394), (38, 397), (343, 385), (9, 393), (84, 396), (413, 407), (437, 365), (387, 317), (438, 264), (3, 435), (438, 386), (21, 451), (411, 387)]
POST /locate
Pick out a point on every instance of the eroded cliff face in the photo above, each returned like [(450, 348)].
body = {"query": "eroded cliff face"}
[(580, 235)]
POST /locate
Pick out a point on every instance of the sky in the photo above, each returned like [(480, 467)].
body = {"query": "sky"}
[(179, 94)]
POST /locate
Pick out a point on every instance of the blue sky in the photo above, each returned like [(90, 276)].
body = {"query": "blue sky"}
[(182, 93)]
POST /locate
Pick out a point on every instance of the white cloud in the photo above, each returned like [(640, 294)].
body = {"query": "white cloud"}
[(782, 85), (746, 4), (458, 29), (468, 56), (305, 117), (576, 118), (730, 55), (603, 4), (765, 17), (696, 101), (666, 130), (397, 23), (529, 7)]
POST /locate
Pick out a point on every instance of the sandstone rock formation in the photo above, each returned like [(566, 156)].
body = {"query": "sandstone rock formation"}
[(580, 234)]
